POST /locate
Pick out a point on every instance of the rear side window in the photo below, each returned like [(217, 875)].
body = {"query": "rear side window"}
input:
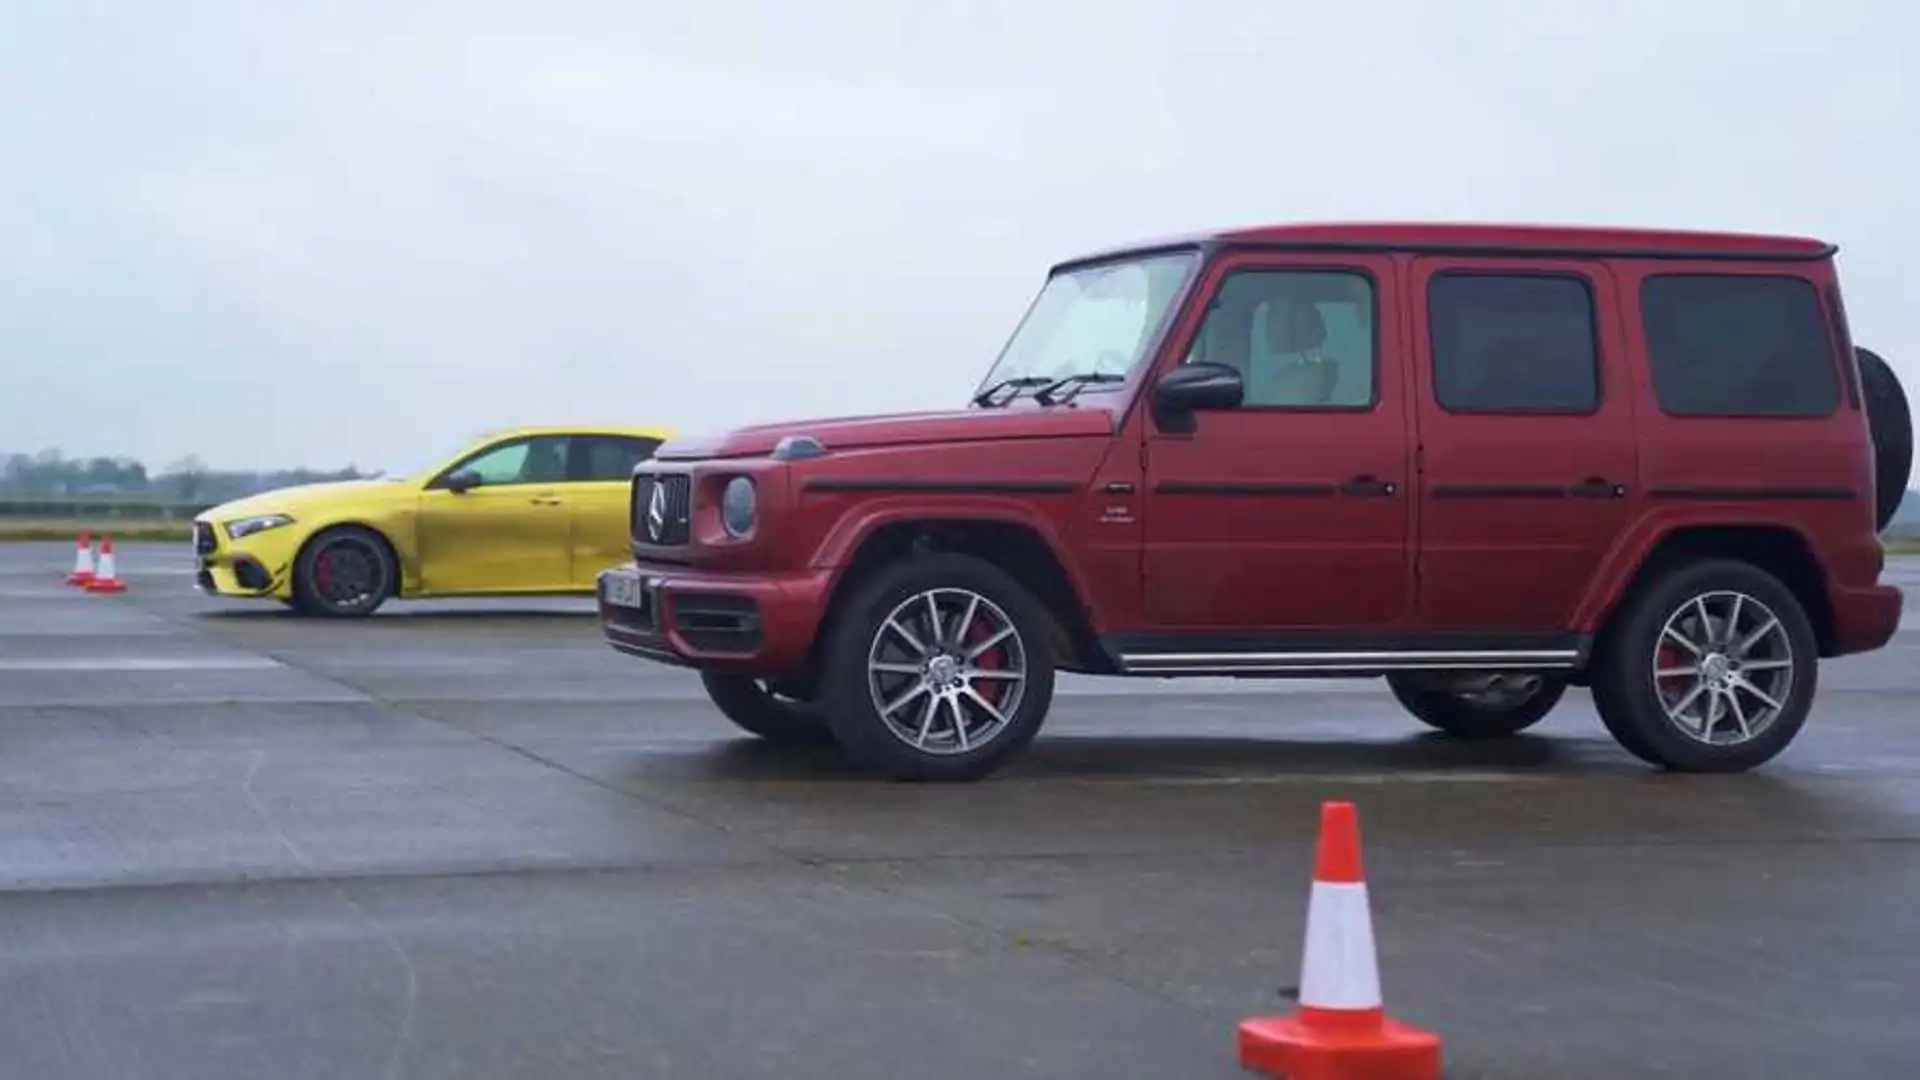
[(610, 458), (1515, 344), (1737, 345)]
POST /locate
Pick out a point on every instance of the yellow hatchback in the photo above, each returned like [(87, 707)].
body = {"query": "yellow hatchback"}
[(527, 512)]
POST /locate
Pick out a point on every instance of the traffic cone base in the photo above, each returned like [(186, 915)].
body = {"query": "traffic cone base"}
[(1301, 1048), (106, 580), (1341, 1031)]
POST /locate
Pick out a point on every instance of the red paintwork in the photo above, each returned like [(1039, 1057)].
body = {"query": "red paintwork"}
[(1141, 562), (899, 429), (1230, 564)]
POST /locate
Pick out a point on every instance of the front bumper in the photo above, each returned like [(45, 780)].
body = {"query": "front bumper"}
[(257, 565), (753, 624)]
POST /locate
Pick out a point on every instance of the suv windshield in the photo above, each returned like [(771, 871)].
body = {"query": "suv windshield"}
[(1090, 322)]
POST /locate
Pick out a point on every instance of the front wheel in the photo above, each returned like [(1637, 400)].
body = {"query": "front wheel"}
[(344, 572), (1492, 706), (1712, 669), (757, 709), (938, 667)]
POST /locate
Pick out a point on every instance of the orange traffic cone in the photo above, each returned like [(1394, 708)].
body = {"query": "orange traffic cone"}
[(1341, 1030), (82, 560), (106, 580)]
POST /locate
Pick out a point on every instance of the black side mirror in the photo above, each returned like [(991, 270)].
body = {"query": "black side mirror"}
[(463, 481), (1193, 387)]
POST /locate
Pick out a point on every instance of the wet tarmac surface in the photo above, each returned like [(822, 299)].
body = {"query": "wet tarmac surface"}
[(468, 840)]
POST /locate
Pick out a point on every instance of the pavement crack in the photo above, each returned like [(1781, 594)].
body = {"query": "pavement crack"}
[(626, 793), (1085, 961), (399, 708), (403, 1037)]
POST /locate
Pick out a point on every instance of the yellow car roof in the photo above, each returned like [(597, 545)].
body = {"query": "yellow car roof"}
[(643, 432)]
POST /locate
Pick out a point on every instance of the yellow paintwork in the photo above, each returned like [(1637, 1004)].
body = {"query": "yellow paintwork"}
[(509, 537)]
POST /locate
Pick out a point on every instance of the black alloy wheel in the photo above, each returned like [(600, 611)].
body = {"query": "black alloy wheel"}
[(344, 572)]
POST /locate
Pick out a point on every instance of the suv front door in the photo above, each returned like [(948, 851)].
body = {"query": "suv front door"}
[(1282, 525)]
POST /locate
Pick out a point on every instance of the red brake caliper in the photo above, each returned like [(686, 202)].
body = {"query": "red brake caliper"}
[(1671, 687), (994, 659)]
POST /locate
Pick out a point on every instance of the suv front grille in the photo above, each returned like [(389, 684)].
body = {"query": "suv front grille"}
[(664, 523), (203, 541)]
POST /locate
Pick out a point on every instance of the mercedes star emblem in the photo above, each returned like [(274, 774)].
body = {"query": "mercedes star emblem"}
[(656, 512)]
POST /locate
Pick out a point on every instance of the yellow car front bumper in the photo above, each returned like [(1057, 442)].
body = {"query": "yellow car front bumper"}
[(259, 565)]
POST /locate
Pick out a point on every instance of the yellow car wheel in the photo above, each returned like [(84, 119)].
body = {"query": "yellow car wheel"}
[(344, 572)]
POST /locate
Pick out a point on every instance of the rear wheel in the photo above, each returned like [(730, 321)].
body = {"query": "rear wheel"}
[(1711, 669), (343, 572), (938, 667), (760, 709), (1489, 706)]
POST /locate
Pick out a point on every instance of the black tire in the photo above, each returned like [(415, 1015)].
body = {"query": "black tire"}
[(351, 550), (1629, 700), (754, 708), (1890, 419), (1460, 715), (850, 706)]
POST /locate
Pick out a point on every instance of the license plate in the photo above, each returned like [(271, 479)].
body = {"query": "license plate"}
[(624, 590)]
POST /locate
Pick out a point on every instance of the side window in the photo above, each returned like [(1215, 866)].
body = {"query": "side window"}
[(1519, 344), (606, 457), (1301, 339), (523, 461), (1731, 345)]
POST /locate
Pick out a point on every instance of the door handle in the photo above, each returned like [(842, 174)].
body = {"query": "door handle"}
[(1596, 487), (545, 500), (1369, 486)]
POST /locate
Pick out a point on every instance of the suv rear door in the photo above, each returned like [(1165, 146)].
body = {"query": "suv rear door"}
[(1525, 439)]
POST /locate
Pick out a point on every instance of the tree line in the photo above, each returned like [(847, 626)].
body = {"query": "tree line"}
[(50, 473)]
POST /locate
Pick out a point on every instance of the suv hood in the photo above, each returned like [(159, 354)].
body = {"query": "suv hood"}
[(899, 429)]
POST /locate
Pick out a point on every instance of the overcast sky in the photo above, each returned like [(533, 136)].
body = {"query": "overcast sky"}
[(294, 233)]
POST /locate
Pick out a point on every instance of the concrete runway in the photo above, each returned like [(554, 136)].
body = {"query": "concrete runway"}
[(467, 840)]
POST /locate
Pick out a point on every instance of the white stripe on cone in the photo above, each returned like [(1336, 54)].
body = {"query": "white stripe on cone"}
[(82, 559), (1339, 968)]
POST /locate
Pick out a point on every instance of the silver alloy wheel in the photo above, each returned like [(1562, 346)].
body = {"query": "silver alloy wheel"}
[(1723, 668), (925, 677)]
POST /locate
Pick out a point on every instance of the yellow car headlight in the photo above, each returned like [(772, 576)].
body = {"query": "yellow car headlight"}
[(247, 526)]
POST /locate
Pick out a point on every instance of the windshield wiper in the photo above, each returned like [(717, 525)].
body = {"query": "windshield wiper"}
[(1076, 382), (1017, 384)]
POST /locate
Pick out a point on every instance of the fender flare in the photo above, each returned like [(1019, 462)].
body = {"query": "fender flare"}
[(853, 529)]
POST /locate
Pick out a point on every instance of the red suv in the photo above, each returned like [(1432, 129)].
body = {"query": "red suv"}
[(1486, 463)]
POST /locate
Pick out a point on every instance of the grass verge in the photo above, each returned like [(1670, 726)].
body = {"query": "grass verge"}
[(121, 531)]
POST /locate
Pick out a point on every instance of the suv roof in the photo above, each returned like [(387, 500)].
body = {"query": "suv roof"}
[(1463, 237)]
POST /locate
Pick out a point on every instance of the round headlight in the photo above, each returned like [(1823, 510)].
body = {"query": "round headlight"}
[(737, 507)]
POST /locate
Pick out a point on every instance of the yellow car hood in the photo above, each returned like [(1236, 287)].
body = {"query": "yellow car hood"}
[(306, 498)]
